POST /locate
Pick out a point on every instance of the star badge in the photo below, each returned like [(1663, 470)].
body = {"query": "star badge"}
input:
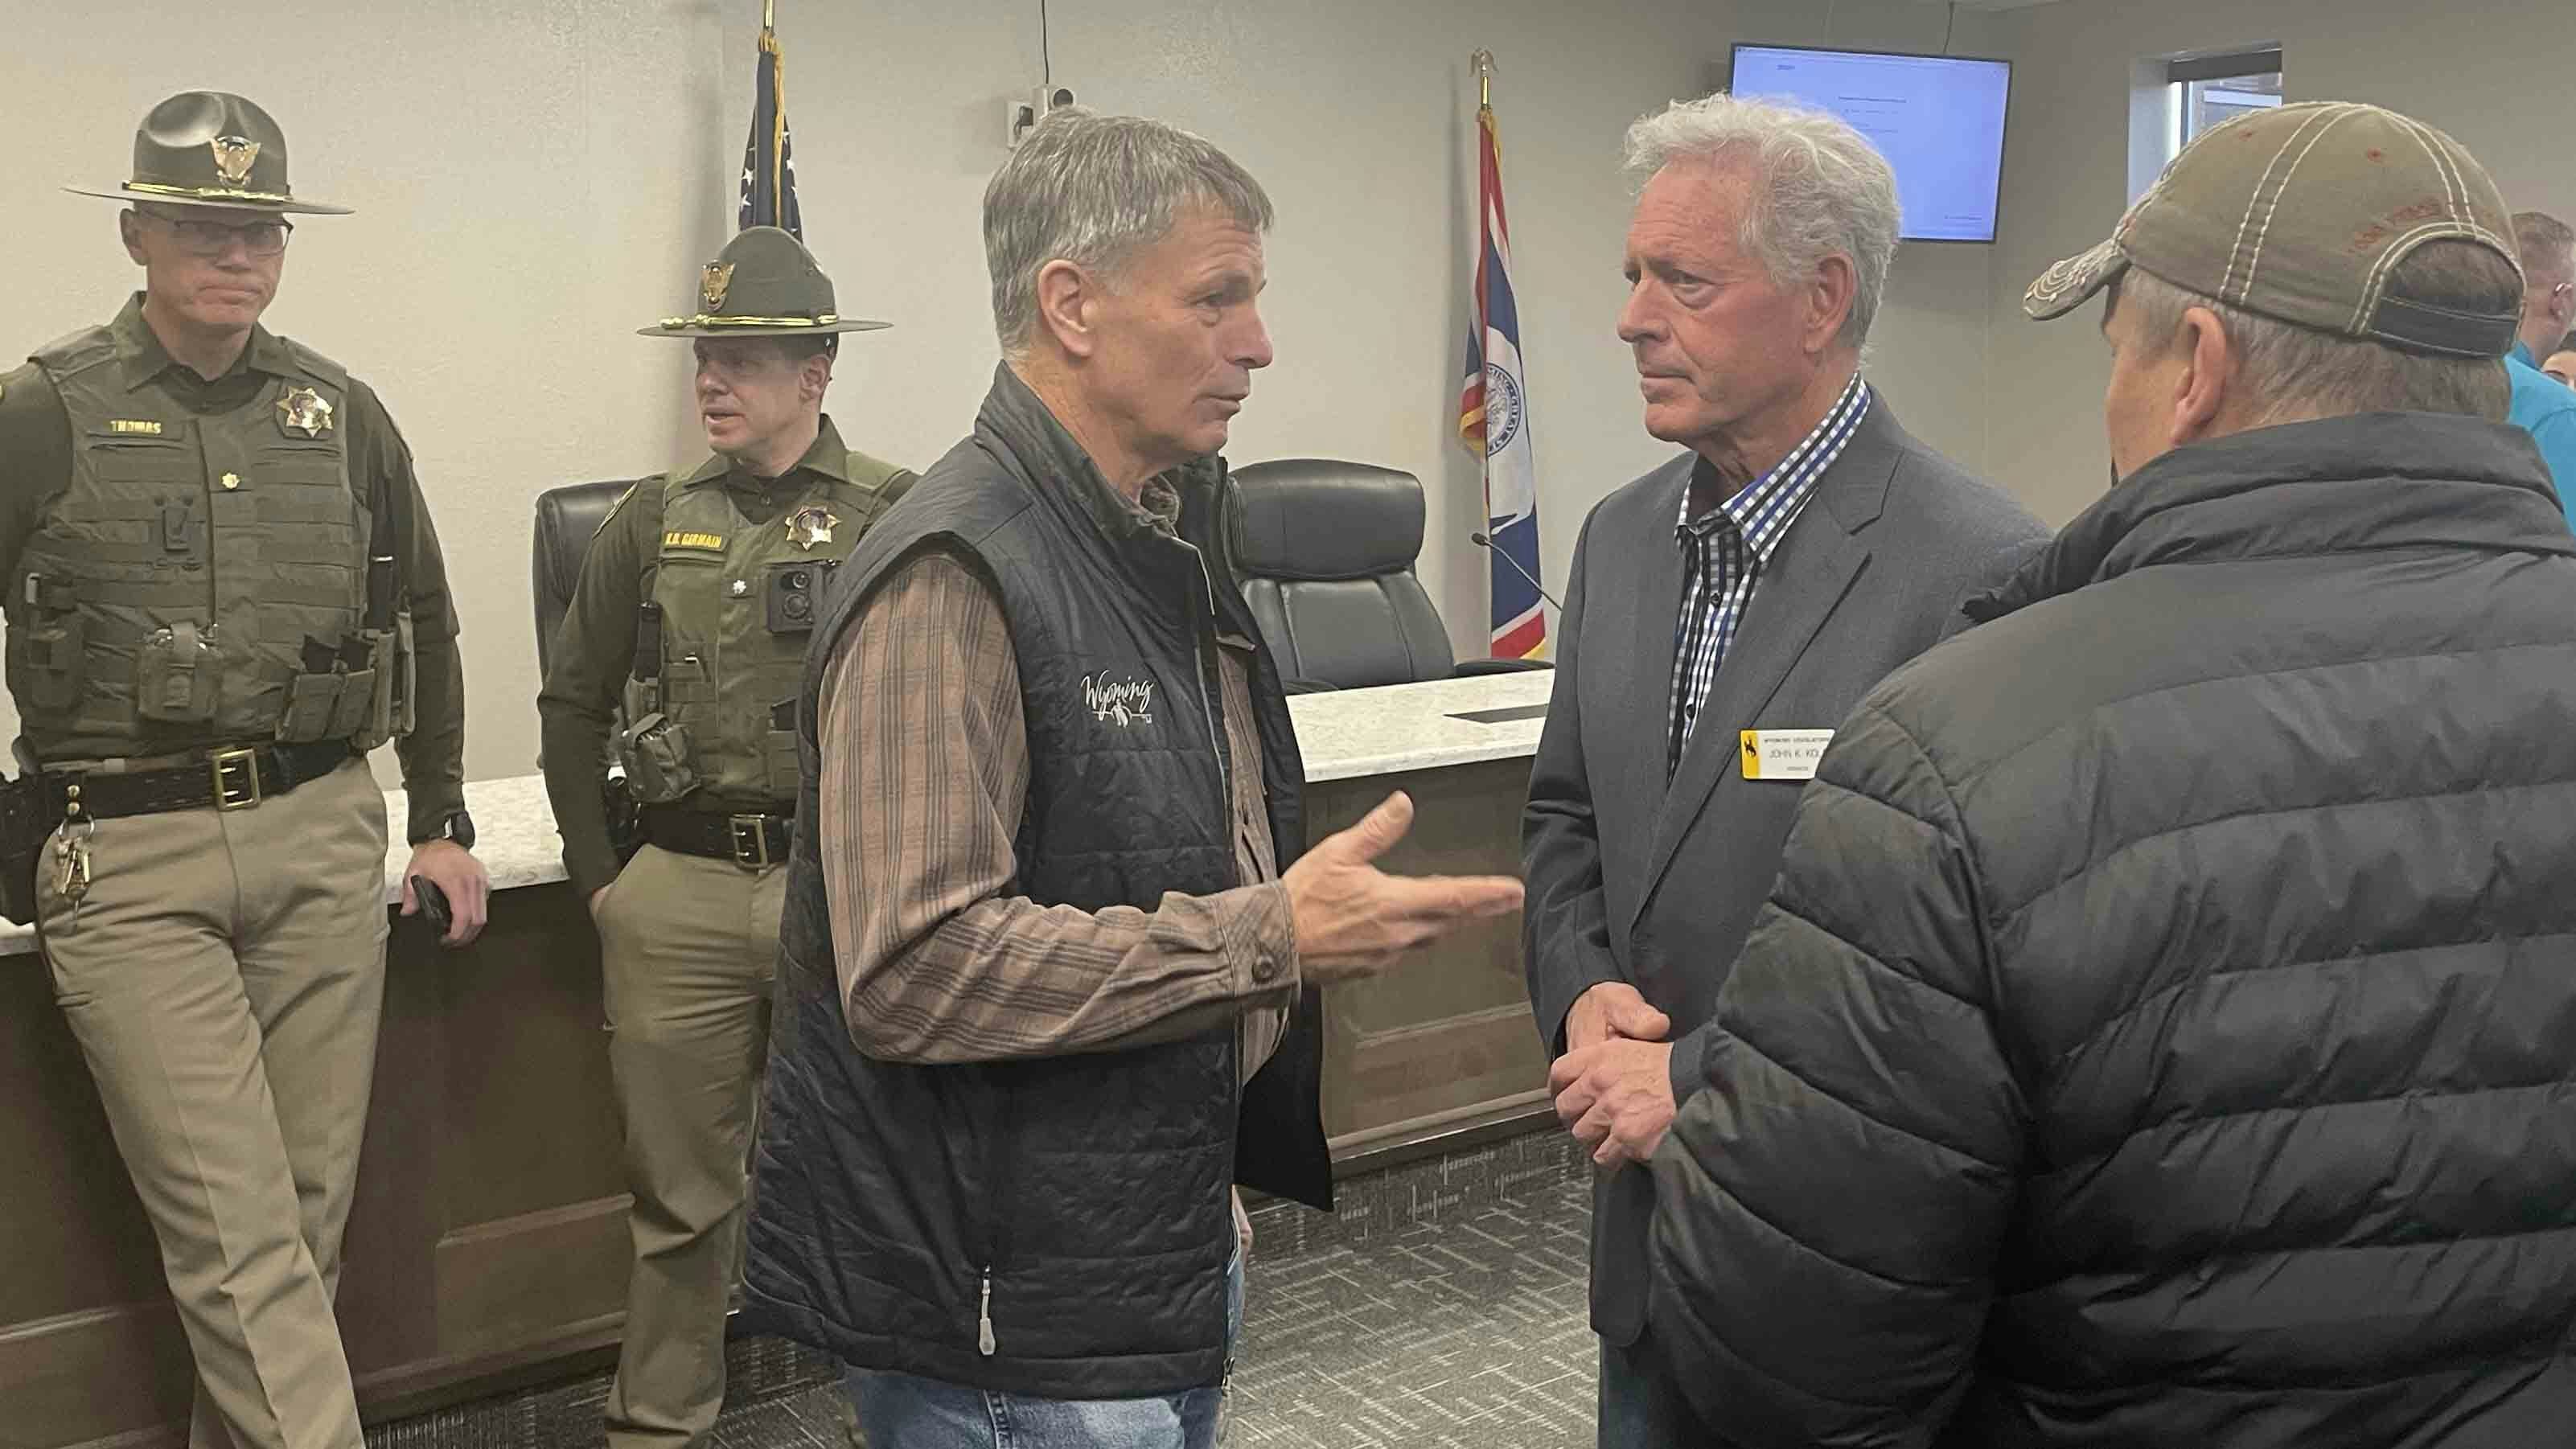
[(304, 413), (811, 525)]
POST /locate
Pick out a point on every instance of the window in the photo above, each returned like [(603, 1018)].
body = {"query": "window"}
[(2173, 98), (2213, 90)]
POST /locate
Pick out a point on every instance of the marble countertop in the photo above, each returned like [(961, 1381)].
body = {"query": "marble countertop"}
[(1347, 735)]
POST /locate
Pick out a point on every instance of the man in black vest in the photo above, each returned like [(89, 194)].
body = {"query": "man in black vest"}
[(1046, 991)]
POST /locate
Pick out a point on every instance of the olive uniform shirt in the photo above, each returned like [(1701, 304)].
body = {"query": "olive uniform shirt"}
[(36, 466), (594, 652)]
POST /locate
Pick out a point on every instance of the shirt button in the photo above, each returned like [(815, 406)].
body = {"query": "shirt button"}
[(1265, 969), (231, 481), (740, 588)]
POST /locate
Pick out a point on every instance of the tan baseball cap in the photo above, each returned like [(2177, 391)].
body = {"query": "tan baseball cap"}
[(2300, 213)]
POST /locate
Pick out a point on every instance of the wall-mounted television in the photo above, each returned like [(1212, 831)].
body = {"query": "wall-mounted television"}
[(1938, 118)]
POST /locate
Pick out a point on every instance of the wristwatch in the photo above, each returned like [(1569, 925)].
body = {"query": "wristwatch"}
[(458, 826)]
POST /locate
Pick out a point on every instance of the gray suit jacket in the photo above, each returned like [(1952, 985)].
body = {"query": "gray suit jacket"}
[(1632, 881)]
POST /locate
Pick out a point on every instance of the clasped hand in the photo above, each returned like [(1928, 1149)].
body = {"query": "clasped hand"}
[(1614, 1085)]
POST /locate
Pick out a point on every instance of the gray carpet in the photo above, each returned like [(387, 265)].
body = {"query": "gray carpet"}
[(1441, 1307)]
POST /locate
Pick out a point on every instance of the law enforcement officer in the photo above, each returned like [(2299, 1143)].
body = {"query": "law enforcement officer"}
[(684, 648), (222, 590)]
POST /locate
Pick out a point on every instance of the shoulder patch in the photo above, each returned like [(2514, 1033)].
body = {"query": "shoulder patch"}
[(623, 499)]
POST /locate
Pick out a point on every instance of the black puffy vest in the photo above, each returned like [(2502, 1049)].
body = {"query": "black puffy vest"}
[(1056, 1227)]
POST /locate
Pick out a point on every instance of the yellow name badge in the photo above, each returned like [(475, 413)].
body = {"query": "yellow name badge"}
[(1784, 754), (678, 539), (146, 426)]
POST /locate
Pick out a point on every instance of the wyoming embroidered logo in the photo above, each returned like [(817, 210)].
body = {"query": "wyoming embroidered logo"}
[(1119, 702)]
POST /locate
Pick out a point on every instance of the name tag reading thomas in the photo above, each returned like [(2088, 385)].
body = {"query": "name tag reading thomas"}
[(1784, 754)]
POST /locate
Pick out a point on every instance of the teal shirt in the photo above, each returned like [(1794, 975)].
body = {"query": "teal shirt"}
[(2546, 408)]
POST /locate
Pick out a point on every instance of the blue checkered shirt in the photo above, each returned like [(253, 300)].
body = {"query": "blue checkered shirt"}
[(1725, 549)]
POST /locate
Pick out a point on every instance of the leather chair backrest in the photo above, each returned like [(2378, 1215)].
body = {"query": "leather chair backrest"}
[(1327, 551), (567, 519)]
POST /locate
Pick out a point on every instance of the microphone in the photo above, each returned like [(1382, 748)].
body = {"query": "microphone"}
[(1486, 543)]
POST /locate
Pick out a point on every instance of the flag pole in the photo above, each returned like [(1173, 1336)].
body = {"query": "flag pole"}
[(1483, 61), (769, 14)]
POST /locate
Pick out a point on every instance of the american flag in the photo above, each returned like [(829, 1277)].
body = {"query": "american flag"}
[(768, 163)]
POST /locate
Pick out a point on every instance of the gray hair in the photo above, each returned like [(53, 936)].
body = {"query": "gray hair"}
[(2299, 373), (2547, 245), (1093, 190), (1820, 189)]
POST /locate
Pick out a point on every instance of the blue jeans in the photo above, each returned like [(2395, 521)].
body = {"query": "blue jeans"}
[(1642, 1406), (904, 1411)]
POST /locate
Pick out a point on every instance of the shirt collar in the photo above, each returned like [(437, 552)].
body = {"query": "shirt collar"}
[(1022, 422), (1763, 509), (142, 358), (828, 457)]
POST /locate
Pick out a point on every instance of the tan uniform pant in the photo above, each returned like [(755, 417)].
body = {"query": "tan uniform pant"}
[(689, 947), (225, 975)]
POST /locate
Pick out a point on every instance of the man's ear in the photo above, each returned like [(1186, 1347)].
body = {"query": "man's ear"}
[(1068, 304), (1832, 290), (129, 229), (814, 376), (2209, 371)]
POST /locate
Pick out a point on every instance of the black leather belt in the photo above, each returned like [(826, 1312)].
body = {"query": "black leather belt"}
[(234, 779), (749, 841)]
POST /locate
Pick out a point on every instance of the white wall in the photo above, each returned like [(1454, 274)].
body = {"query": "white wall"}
[(1928, 349), (534, 180), (2490, 72)]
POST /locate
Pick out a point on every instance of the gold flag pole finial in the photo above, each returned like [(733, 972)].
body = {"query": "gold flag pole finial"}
[(1483, 60), (769, 14)]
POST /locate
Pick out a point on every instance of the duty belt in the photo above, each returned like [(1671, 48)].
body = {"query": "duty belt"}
[(229, 779), (751, 841)]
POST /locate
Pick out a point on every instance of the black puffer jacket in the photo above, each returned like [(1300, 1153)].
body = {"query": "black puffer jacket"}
[(2164, 1028)]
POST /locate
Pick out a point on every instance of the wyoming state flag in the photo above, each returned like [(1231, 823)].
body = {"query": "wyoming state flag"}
[(1493, 417)]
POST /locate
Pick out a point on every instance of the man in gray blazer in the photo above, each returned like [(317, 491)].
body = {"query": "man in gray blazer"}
[(1725, 612)]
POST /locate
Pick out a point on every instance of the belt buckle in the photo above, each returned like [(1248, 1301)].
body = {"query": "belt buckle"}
[(750, 840), (236, 777)]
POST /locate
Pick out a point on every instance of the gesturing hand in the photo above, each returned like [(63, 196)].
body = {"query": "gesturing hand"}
[(1353, 920)]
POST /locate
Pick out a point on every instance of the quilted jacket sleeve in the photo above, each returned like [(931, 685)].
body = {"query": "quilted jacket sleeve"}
[(1828, 1209)]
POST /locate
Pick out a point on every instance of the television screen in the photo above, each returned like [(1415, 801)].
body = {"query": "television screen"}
[(1938, 119)]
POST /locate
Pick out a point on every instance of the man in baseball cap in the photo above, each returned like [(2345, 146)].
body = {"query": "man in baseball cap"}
[(2164, 1027)]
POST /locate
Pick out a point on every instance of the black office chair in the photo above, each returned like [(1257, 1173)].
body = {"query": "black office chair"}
[(567, 519), (1326, 550)]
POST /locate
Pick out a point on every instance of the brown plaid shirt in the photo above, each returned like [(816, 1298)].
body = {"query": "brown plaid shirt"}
[(925, 777)]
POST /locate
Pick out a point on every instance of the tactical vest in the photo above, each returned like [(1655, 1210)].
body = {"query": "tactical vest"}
[(202, 580), (735, 603)]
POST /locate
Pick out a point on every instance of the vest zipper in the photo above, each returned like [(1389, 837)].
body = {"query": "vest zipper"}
[(984, 1316), (1207, 711), (1225, 776)]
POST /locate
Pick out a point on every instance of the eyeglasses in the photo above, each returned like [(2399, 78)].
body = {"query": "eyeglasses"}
[(211, 238)]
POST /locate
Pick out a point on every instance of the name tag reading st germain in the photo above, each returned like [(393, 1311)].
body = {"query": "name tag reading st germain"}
[(1784, 754)]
